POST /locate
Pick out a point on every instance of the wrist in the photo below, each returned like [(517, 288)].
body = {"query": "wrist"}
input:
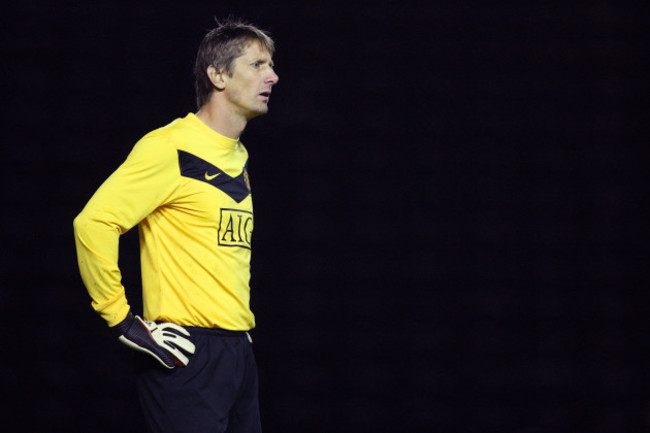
[(122, 327)]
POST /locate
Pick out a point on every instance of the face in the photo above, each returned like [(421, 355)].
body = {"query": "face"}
[(248, 90)]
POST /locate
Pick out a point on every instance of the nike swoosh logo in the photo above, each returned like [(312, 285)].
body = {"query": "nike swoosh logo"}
[(208, 177)]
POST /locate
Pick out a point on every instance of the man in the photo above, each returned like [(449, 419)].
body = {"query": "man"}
[(186, 185)]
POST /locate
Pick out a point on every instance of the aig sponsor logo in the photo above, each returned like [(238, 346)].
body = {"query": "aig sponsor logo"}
[(235, 228)]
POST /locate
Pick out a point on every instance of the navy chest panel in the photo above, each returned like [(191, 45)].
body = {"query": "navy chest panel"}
[(237, 188)]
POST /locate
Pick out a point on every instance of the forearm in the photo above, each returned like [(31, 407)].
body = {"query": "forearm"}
[(97, 244)]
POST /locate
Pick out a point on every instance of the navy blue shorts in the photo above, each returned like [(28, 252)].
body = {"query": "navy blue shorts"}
[(216, 392)]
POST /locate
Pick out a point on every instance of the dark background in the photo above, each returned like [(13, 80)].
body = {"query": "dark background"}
[(450, 230)]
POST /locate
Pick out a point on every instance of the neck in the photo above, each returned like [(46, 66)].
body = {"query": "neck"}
[(223, 121)]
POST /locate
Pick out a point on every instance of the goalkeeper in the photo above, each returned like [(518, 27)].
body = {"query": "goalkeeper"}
[(187, 188)]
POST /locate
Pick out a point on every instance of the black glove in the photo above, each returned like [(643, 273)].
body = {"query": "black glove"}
[(163, 341)]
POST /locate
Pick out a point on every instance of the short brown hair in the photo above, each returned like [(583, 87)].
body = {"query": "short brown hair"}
[(220, 47)]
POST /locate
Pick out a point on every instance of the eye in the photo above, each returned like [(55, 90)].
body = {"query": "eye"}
[(256, 65)]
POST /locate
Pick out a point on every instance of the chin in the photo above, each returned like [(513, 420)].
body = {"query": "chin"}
[(258, 112)]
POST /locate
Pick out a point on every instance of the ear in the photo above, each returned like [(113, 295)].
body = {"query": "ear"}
[(216, 77)]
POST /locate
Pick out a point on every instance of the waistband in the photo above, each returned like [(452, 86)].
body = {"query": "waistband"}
[(216, 331)]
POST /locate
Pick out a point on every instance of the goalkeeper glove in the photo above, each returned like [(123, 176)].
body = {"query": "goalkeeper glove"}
[(163, 341)]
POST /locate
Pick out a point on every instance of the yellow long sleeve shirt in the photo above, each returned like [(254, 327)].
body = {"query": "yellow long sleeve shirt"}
[(187, 187)]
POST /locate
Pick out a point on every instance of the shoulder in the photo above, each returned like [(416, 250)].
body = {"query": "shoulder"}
[(172, 136), (161, 143)]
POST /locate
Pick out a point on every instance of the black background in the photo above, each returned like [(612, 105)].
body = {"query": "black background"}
[(450, 231)]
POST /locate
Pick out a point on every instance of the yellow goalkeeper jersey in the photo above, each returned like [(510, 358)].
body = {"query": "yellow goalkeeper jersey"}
[(187, 187)]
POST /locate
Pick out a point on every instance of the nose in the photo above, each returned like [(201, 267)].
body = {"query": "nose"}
[(272, 78)]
